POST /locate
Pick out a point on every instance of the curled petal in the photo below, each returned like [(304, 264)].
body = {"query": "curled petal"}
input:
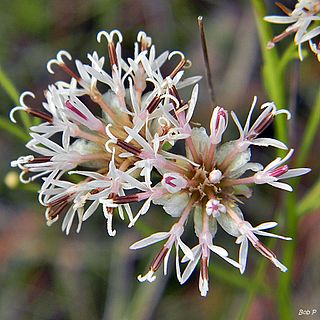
[(58, 60), (110, 36), (147, 277)]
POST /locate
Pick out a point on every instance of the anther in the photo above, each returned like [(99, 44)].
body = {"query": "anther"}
[(39, 114), (40, 159), (157, 261), (173, 91), (255, 131), (286, 10), (264, 250), (72, 108), (128, 147), (204, 268), (279, 171), (153, 104), (56, 211), (180, 65), (125, 199)]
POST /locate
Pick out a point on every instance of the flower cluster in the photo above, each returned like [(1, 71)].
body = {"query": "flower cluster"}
[(113, 141), (300, 19)]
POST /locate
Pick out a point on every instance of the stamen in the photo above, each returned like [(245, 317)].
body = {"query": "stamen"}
[(40, 159), (173, 91), (125, 199), (128, 147), (257, 130), (204, 268), (71, 107), (67, 70), (279, 37), (264, 250), (279, 171), (168, 180), (61, 200), (111, 46), (54, 212), (154, 103), (157, 261), (286, 10), (180, 65)]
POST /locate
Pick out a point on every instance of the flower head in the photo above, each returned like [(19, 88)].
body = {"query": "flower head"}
[(116, 153), (300, 20)]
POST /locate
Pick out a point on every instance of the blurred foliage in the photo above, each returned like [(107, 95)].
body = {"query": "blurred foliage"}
[(47, 275)]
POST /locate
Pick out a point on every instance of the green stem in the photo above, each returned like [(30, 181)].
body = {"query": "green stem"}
[(310, 202), (13, 129), (310, 133), (284, 292), (272, 74), (258, 279), (12, 92), (9, 87)]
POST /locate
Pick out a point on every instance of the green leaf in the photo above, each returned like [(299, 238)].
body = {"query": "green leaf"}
[(310, 133), (12, 92), (311, 201), (13, 129)]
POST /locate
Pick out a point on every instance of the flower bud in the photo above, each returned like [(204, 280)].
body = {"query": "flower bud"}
[(215, 176), (173, 182), (218, 124)]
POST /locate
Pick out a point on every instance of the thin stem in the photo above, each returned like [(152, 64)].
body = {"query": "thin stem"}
[(272, 74), (236, 182), (193, 150), (206, 59)]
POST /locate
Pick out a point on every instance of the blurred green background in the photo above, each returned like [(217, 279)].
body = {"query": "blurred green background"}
[(45, 274)]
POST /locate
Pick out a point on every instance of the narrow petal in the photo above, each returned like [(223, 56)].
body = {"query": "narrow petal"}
[(266, 142), (191, 265), (243, 253), (280, 19), (156, 237), (218, 250), (295, 173), (311, 34), (272, 235), (266, 225), (281, 185), (185, 249)]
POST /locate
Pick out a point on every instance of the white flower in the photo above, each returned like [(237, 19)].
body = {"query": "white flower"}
[(174, 238), (300, 19), (248, 233), (173, 182), (249, 134), (274, 172), (205, 229), (214, 207)]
